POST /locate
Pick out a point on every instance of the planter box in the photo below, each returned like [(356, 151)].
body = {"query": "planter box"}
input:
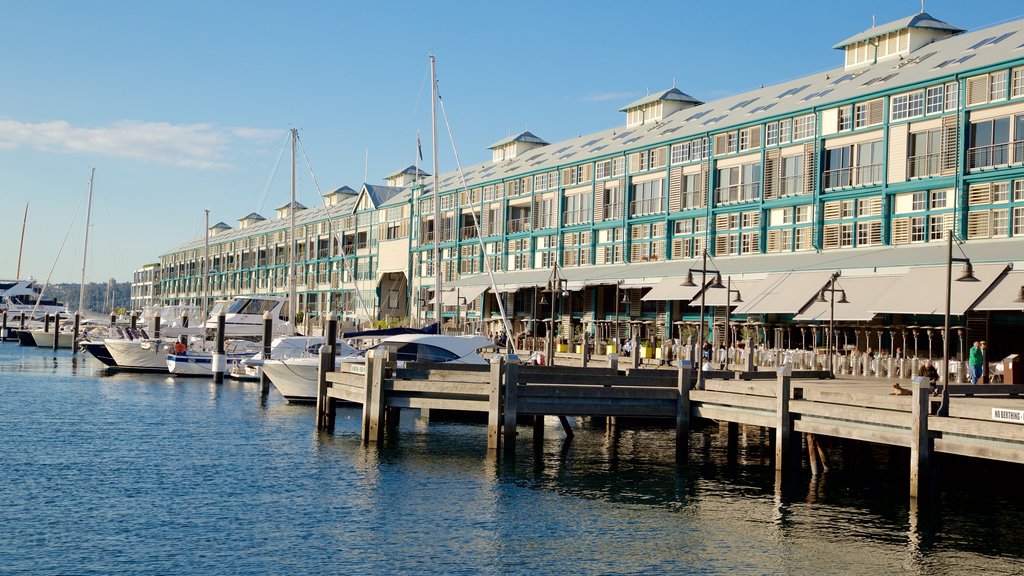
[(579, 348), (645, 351), (658, 353), (609, 349), (561, 347)]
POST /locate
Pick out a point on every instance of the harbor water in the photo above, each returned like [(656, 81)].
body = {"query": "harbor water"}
[(142, 474)]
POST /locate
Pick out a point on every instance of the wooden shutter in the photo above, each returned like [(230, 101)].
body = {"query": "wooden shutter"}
[(810, 167), (874, 206), (774, 241), (536, 213), (675, 189), (755, 136), (949, 145), (900, 231), (721, 144), (635, 254), (874, 112), (833, 210), (830, 236), (979, 194), (485, 221), (978, 224), (897, 153), (634, 163), (770, 185), (977, 90), (704, 173), (599, 189), (721, 244)]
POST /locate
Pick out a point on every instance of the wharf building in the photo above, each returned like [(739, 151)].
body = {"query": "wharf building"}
[(862, 169)]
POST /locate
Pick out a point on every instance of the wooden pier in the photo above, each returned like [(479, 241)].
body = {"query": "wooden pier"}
[(985, 421)]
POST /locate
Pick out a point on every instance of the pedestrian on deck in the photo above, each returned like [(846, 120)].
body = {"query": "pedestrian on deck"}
[(976, 362), (928, 370)]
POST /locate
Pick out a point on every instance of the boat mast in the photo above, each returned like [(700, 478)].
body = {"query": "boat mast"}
[(85, 246), (438, 308), (21, 245), (292, 297), (206, 265)]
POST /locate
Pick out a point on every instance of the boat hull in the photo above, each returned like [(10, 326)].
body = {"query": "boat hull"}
[(25, 338), (45, 339), (98, 350), (199, 363), (296, 380), (140, 355)]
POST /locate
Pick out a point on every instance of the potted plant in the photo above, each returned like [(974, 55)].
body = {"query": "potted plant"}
[(646, 350), (609, 347)]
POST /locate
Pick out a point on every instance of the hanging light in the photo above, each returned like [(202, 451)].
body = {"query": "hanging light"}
[(1020, 295), (625, 296), (718, 281), (842, 298), (967, 274), (738, 300), (543, 300), (689, 280), (821, 297)]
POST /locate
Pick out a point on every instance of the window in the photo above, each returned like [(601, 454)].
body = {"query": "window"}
[(924, 154), (803, 214), (869, 163), (997, 86), (1000, 222), (771, 134), (739, 183), (680, 153), (1000, 192), (939, 199), (603, 169), (934, 100), (1017, 83), (692, 196), (785, 127), (920, 201), (952, 95), (989, 143), (803, 127), (647, 197), (792, 175), (838, 167), (1018, 191), (936, 227), (618, 166), (1018, 221), (845, 118)]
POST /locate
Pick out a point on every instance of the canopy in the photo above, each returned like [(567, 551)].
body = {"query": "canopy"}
[(385, 332), (862, 292), (1004, 293), (460, 296), (785, 293), (672, 289), (921, 291)]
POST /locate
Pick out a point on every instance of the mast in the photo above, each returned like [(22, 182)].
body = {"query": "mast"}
[(206, 264), (292, 297), (21, 245), (85, 246), (438, 308)]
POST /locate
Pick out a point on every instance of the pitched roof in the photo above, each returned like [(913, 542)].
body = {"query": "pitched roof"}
[(342, 190), (295, 205), (380, 194), (525, 136), (410, 169), (220, 226), (672, 95), (919, 20), (252, 216)]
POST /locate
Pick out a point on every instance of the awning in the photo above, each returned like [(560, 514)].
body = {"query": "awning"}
[(463, 295), (747, 288), (1004, 293), (671, 289), (862, 292), (785, 293), (921, 291)]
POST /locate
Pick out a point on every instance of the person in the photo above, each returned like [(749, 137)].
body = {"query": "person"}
[(928, 371), (722, 354), (976, 362), (627, 348)]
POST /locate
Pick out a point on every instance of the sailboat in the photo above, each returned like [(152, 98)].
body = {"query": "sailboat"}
[(22, 299)]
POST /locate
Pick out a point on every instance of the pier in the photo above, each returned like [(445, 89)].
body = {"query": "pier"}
[(984, 421)]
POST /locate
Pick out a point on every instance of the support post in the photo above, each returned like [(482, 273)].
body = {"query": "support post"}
[(56, 331), (613, 361), (920, 446), (156, 326), (634, 355), (511, 385), (684, 381), (324, 404), (732, 440), (268, 336), (3, 330), (494, 404), (586, 348), (749, 356), (46, 322), (113, 318), (133, 321), (783, 423), (74, 333), (376, 401), (219, 362)]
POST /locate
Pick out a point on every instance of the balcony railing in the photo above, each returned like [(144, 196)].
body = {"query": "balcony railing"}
[(468, 232), (613, 211), (573, 217), (523, 224), (737, 192), (852, 176), (923, 166), (868, 174), (646, 206), (995, 155), (791, 185)]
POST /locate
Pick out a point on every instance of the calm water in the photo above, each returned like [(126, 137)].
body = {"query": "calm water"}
[(106, 474)]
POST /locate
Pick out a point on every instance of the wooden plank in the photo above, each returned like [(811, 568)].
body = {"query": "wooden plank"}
[(920, 448), (883, 401), (854, 431), (594, 380), (511, 407), (494, 405), (784, 437), (1005, 453), (530, 371), (439, 403), (980, 408), (853, 413), (445, 375), (979, 428), (438, 387), (986, 389), (727, 399), (596, 392), (740, 415), (766, 389), (432, 366), (594, 408), (346, 378)]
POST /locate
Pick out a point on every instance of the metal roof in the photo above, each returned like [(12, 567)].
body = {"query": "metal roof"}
[(411, 169), (919, 20), (252, 216), (526, 136), (220, 226), (342, 190), (380, 194), (295, 205), (671, 95)]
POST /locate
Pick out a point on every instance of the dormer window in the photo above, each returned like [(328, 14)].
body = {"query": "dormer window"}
[(657, 107), (894, 39), (513, 146)]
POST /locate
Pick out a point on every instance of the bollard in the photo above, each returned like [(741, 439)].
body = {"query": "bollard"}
[(219, 361), (56, 331), (586, 349), (46, 322), (21, 321), (613, 362), (184, 320), (133, 321), (156, 326), (74, 333), (324, 404), (113, 319), (268, 336), (3, 330)]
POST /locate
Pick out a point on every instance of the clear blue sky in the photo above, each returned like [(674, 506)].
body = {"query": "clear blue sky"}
[(184, 106)]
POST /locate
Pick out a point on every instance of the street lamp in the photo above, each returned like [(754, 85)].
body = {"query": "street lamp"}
[(625, 300), (832, 318), (703, 287), (557, 288), (967, 275), (728, 314)]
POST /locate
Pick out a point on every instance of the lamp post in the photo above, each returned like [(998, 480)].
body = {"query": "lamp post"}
[(556, 286), (832, 318), (624, 300), (703, 287), (967, 275), (728, 314)]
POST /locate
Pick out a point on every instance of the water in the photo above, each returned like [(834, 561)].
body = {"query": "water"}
[(111, 474)]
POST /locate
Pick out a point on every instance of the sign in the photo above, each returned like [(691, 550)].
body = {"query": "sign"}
[(1005, 415)]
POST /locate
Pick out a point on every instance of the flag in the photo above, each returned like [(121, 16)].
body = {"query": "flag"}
[(419, 147)]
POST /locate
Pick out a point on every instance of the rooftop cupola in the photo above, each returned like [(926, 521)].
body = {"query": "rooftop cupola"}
[(513, 146), (218, 228), (286, 210), (249, 220), (404, 177), (894, 39), (337, 195), (655, 107)]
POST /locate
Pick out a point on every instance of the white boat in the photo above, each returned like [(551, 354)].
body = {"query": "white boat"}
[(296, 378), (200, 363), (45, 339), (281, 348), (18, 298), (147, 354)]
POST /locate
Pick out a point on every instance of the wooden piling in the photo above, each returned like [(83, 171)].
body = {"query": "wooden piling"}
[(920, 446), (783, 422), (374, 408), (494, 404), (3, 329), (46, 322), (684, 381), (219, 362), (324, 361), (133, 321), (56, 331), (74, 333), (156, 325), (511, 385), (268, 338)]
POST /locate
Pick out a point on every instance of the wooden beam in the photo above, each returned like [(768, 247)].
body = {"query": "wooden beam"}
[(863, 432), (707, 397), (854, 413), (511, 384), (920, 447), (596, 392), (494, 404), (684, 381), (784, 437), (742, 416)]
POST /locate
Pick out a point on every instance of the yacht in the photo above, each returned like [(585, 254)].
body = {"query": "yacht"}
[(296, 378), (20, 297)]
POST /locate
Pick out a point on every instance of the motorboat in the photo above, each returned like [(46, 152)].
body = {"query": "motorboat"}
[(296, 378), (189, 362), (281, 348), (22, 298)]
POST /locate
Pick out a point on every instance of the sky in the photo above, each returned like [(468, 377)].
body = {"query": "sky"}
[(185, 106)]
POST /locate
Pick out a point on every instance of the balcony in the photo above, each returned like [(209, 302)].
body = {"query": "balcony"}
[(613, 212), (866, 175), (523, 224), (791, 185), (923, 166), (574, 217), (468, 232), (646, 206), (737, 193), (995, 155)]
